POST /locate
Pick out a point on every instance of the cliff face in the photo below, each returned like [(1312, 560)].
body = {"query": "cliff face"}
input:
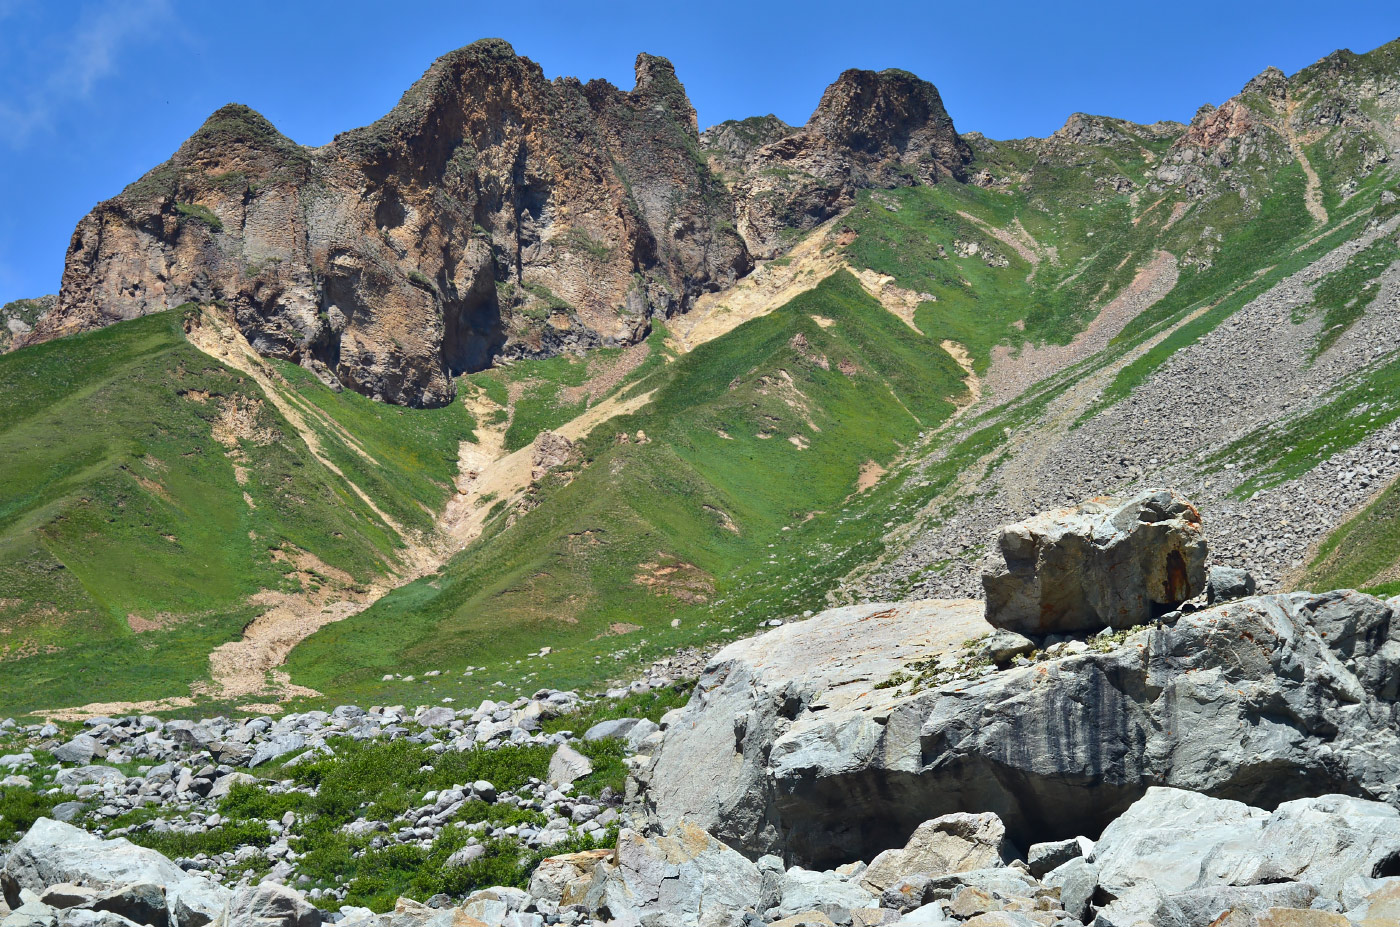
[(491, 212), (885, 129)]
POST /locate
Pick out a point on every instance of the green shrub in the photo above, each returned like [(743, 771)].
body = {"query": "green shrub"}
[(200, 214), (19, 808)]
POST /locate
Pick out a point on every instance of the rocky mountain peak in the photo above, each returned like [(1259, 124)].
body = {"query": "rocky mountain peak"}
[(657, 84), (1271, 84), (887, 114)]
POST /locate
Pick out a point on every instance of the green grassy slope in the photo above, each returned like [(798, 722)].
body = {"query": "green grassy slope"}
[(120, 508), (639, 534)]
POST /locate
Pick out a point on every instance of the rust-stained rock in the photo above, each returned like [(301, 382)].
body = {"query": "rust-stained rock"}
[(1106, 563)]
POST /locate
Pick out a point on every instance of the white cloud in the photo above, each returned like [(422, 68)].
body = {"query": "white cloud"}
[(87, 52)]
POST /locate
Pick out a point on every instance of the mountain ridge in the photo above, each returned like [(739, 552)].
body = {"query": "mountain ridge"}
[(1023, 323)]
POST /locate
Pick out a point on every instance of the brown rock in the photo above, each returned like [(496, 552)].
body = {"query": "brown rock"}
[(491, 212), (1106, 563)]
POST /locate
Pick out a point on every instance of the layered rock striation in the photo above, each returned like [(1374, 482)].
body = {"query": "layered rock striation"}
[(818, 735)]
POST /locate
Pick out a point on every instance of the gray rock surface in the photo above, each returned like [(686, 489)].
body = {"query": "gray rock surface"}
[(752, 711), (1225, 583), (791, 746), (567, 765), (268, 905), (1183, 858), (53, 852), (683, 879), (1107, 562), (953, 843)]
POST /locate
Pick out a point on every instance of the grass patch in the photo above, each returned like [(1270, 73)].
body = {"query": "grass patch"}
[(200, 214)]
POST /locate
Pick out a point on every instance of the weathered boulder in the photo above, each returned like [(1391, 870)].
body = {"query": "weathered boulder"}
[(830, 894), (1044, 857), (142, 902), (53, 852), (1182, 859), (957, 842), (81, 749), (565, 880), (1225, 583), (567, 765), (793, 744), (1107, 562), (268, 905), (753, 703), (683, 879)]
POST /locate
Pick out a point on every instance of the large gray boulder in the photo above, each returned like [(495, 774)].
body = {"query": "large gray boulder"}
[(53, 852), (791, 746), (1106, 563), (683, 879), (1181, 859)]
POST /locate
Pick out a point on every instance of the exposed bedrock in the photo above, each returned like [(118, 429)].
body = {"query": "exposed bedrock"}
[(835, 737)]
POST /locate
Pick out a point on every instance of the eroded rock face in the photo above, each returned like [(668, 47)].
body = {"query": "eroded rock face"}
[(491, 212), (1106, 563), (789, 747), (871, 129)]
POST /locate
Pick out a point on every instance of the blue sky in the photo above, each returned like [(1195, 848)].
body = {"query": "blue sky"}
[(94, 94)]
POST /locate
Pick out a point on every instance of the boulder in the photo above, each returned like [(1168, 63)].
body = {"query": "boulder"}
[(1225, 583), (1182, 859), (80, 750), (268, 905), (952, 843), (828, 893), (566, 766), (275, 747), (683, 879), (66, 811), (791, 746), (1044, 857), (142, 902), (565, 880), (53, 852), (615, 728), (1004, 646), (31, 914), (89, 775), (1106, 563)]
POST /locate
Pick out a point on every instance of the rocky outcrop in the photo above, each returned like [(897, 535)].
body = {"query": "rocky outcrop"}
[(1106, 563), (871, 129), (850, 729), (18, 318), (491, 212)]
